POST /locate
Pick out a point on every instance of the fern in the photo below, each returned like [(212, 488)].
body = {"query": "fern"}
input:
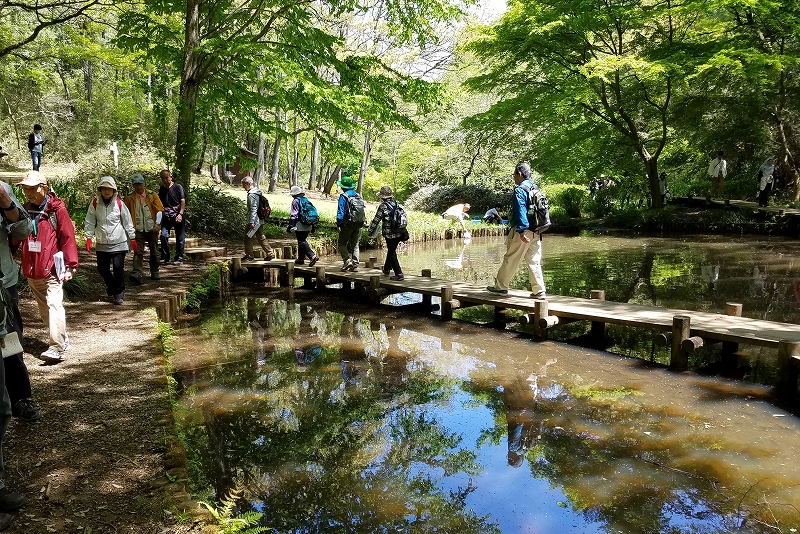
[(241, 524)]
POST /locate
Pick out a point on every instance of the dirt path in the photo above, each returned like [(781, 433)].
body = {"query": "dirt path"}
[(90, 464)]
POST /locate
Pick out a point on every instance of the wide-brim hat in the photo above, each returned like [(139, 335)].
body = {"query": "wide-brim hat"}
[(346, 183), (295, 190), (385, 192), (34, 178)]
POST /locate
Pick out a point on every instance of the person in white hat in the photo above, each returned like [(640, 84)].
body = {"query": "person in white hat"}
[(53, 233), (109, 220), (299, 221)]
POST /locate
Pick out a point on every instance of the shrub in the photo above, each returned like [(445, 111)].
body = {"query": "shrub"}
[(566, 197), (434, 199), (213, 212)]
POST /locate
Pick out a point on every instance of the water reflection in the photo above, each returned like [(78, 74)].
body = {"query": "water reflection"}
[(398, 425)]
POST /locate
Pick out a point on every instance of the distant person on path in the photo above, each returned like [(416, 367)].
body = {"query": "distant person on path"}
[(492, 216), (109, 220), (459, 212), (173, 198), (662, 187), (389, 230), (522, 242), (717, 172), (53, 234), (766, 178), (146, 211), (36, 146), (17, 225), (301, 228), (350, 219), (254, 231)]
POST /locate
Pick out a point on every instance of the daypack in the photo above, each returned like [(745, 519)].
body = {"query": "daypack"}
[(263, 207), (308, 213), (538, 209), (354, 210), (119, 203), (397, 218)]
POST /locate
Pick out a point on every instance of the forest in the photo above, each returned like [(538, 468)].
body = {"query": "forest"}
[(421, 95)]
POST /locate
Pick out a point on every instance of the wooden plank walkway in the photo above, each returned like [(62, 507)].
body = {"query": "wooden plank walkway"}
[(743, 205), (683, 330)]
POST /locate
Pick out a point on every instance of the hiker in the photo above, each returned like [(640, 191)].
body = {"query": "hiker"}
[(17, 225), (349, 221), (49, 258), (109, 220), (173, 198), (523, 242), (662, 187), (766, 179), (36, 146), (390, 230), (457, 213), (492, 216), (717, 172), (255, 221), (302, 225), (9, 501), (146, 211)]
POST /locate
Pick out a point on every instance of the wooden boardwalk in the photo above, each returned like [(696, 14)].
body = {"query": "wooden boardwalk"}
[(682, 330), (741, 205)]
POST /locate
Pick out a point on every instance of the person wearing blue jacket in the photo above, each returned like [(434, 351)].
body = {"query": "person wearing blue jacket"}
[(349, 231), (522, 242)]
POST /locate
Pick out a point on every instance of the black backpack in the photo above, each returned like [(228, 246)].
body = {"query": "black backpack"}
[(354, 213), (263, 207), (538, 209), (398, 218)]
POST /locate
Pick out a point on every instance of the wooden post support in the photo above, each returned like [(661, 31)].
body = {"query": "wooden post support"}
[(320, 278), (287, 252), (447, 303), (681, 327), (374, 286), (691, 344), (598, 331), (786, 388), (426, 299), (236, 269), (499, 320), (734, 309), (371, 262), (664, 339), (540, 311), (288, 277)]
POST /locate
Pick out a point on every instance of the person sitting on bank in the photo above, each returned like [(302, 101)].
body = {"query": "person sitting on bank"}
[(458, 212), (492, 216), (146, 211)]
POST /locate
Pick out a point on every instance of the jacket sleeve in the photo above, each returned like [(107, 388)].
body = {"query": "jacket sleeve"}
[(30, 141), (373, 226), (90, 222), (127, 222), (159, 207), (294, 211), (252, 209), (520, 209), (22, 227), (65, 235), (340, 210)]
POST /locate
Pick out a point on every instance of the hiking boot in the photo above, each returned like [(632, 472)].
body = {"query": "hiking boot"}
[(299, 261), (313, 261), (118, 298), (270, 257), (5, 520), (10, 501), (155, 276), (387, 272), (177, 261), (51, 355), (25, 410), (539, 295), (346, 266), (164, 261), (399, 277), (247, 257), (136, 278), (354, 266), (492, 289)]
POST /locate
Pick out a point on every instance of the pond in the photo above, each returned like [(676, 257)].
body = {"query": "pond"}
[(332, 416)]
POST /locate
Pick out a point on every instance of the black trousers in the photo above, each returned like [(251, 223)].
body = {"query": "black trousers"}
[(18, 383), (115, 280)]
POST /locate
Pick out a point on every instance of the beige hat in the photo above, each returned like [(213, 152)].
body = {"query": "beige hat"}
[(33, 178), (295, 190)]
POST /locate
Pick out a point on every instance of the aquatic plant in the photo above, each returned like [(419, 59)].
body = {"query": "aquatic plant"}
[(241, 524)]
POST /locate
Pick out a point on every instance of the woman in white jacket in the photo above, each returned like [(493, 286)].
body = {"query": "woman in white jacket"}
[(109, 222)]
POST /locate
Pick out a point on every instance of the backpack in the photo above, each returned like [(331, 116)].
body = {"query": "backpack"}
[(308, 213), (398, 220), (354, 210), (538, 209), (263, 207), (119, 203)]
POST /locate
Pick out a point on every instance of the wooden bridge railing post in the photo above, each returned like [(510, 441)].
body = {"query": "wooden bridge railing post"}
[(540, 311), (734, 309), (287, 252), (236, 268), (447, 303), (370, 264), (786, 388), (681, 328), (320, 278), (598, 331), (426, 299), (288, 276), (374, 287)]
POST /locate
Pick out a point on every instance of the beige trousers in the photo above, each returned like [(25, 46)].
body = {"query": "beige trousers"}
[(249, 243), (49, 295), (516, 251)]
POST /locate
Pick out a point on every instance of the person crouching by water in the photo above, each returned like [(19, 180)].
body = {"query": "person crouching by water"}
[(301, 229), (108, 219), (391, 235), (522, 242)]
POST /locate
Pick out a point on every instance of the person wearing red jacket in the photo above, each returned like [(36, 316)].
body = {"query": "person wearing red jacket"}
[(49, 258)]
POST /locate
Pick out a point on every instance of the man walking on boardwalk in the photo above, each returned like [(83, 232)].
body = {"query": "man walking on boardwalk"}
[(146, 211), (717, 172), (522, 242)]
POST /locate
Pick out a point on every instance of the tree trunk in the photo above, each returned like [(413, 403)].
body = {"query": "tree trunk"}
[(198, 168), (365, 157), (259, 174), (14, 122), (190, 89), (87, 79), (335, 175), (214, 166), (312, 177), (651, 167), (295, 158), (276, 161), (786, 159)]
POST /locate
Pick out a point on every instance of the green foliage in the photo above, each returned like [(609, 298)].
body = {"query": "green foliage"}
[(566, 197), (244, 523), (437, 199), (204, 290), (213, 212)]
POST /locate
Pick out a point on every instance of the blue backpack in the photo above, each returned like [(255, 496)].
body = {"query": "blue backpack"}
[(308, 213)]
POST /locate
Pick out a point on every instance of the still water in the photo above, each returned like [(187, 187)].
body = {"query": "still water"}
[(337, 417)]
